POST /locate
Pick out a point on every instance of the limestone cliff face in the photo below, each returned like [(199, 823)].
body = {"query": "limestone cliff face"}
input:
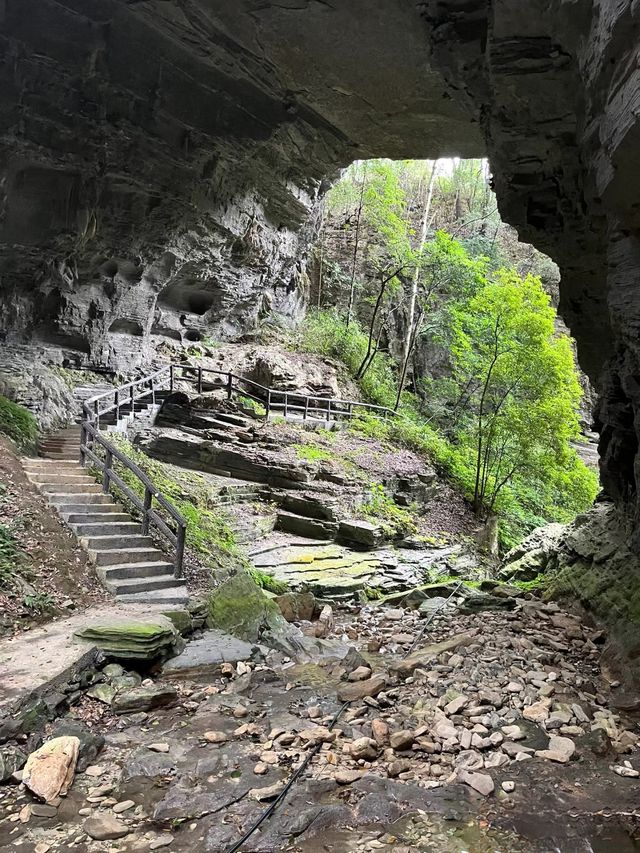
[(160, 160)]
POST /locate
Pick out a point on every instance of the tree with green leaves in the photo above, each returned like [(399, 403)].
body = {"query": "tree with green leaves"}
[(523, 392)]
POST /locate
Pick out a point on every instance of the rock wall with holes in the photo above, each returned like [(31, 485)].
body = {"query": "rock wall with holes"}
[(160, 162)]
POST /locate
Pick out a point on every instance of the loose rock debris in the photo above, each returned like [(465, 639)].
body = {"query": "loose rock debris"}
[(499, 727)]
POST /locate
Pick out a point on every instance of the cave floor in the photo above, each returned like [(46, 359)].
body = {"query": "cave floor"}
[(440, 759)]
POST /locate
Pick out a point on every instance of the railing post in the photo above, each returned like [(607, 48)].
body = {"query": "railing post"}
[(180, 550), (132, 400), (148, 498), (171, 378), (306, 408), (116, 395), (229, 385), (83, 438), (329, 409), (199, 380), (108, 462), (268, 403), (153, 391), (286, 403)]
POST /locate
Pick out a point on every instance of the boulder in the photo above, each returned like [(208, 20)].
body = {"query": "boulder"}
[(297, 606), (49, 771), (208, 653), (12, 759), (363, 533), (301, 526), (532, 556)]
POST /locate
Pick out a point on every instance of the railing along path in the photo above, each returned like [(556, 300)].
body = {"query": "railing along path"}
[(170, 524)]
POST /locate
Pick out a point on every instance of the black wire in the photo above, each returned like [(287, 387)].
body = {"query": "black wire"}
[(316, 749), (283, 793)]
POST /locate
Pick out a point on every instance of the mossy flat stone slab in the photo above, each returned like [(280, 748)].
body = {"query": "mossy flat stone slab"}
[(131, 639)]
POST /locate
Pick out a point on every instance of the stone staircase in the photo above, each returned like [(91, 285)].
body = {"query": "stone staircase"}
[(127, 561)]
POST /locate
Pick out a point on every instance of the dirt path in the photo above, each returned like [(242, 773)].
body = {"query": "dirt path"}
[(510, 703)]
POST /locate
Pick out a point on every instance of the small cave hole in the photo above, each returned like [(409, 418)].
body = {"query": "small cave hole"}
[(192, 335), (126, 327)]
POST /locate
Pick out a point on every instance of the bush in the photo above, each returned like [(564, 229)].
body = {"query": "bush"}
[(324, 332), (18, 423)]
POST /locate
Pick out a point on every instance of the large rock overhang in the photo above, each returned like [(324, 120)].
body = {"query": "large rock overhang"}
[(161, 160)]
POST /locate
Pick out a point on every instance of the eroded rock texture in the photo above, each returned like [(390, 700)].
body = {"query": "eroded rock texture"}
[(161, 160)]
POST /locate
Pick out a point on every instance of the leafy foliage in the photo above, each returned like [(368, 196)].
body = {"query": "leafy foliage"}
[(380, 508), (18, 423)]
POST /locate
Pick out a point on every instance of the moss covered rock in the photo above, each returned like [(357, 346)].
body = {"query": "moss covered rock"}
[(133, 640), (239, 607)]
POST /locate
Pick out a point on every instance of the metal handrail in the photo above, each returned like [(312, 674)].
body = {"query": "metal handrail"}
[(126, 396), (90, 436)]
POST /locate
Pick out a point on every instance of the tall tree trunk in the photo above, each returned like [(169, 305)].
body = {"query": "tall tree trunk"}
[(352, 285), (413, 298), (321, 258), (403, 375)]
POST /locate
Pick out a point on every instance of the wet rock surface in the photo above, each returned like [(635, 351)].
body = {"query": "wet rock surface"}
[(464, 751)]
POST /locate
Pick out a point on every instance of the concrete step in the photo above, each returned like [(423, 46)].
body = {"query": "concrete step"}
[(80, 517), (62, 457), (92, 498), (117, 543), (159, 597), (39, 464), (127, 586), (105, 528), (130, 555), (135, 570), (87, 488), (55, 476)]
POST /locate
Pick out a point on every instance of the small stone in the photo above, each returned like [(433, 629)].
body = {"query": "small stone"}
[(43, 810), (538, 712), (347, 777), (508, 787), (560, 749), (513, 732), (95, 770), (42, 847), (623, 770), (380, 731), (401, 740), (455, 705), (123, 806), (260, 769), (317, 734), (480, 782), (105, 828), (364, 748), (397, 767), (514, 687), (270, 793), (215, 737), (360, 673), (162, 841), (158, 747), (239, 712)]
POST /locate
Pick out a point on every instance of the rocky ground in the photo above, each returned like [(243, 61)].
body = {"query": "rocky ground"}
[(496, 730)]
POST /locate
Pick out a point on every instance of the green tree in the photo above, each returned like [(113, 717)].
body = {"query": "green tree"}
[(522, 389)]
